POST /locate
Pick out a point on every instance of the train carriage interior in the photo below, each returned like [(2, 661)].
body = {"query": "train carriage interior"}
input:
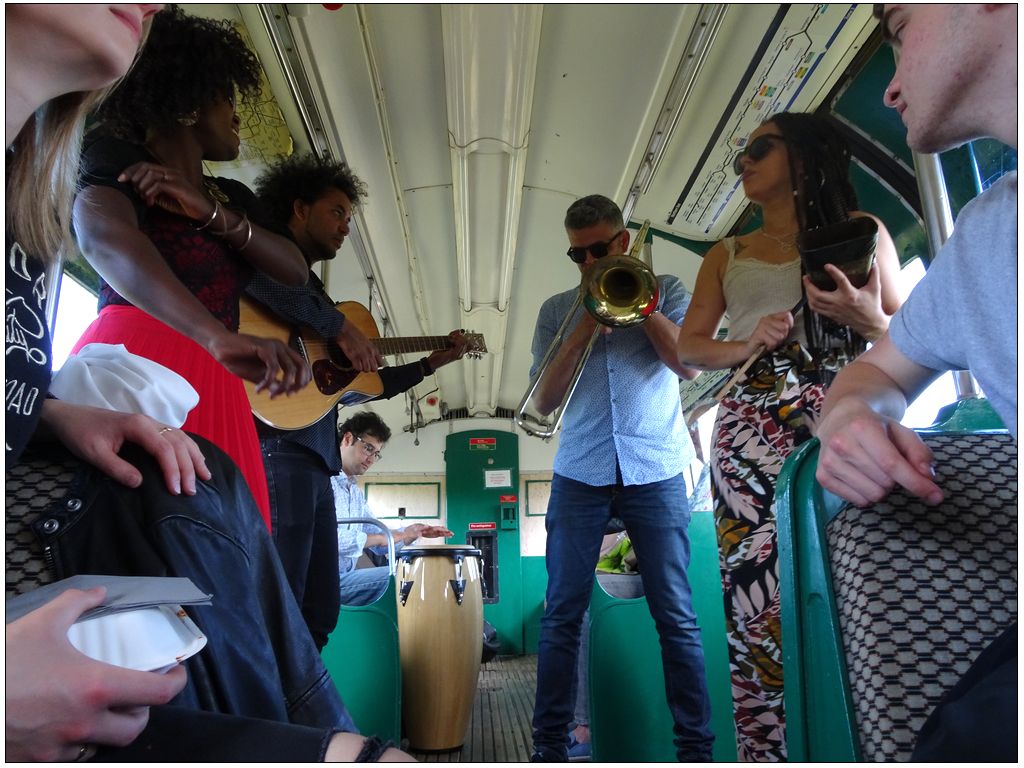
[(474, 127)]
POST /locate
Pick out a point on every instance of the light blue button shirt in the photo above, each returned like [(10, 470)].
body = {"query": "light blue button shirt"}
[(349, 501), (626, 404)]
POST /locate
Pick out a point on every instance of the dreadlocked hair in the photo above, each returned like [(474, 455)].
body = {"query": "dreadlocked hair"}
[(188, 63), (819, 171), (307, 178)]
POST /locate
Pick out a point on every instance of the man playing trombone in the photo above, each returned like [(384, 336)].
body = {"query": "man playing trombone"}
[(622, 452)]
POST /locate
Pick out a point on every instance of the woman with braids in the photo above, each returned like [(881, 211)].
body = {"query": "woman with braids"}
[(174, 248), (796, 168)]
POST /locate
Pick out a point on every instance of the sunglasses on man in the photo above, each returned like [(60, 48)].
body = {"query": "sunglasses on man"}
[(598, 250), (758, 149)]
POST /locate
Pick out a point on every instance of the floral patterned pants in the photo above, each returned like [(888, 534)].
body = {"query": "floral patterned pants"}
[(759, 423)]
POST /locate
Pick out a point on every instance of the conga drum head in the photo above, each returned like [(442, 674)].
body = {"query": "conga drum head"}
[(849, 245), (438, 550)]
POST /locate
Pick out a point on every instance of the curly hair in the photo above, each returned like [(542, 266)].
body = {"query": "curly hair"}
[(819, 168), (306, 177), (187, 64), (365, 423), (592, 209)]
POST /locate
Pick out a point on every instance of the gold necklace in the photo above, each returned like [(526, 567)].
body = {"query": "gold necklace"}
[(785, 243), (215, 192)]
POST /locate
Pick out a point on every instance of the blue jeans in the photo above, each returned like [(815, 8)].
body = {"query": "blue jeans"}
[(305, 531), (656, 516), (362, 586)]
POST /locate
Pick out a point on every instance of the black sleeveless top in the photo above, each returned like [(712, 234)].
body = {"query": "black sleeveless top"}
[(213, 271)]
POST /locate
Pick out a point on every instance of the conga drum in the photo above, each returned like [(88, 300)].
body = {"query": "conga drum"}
[(440, 639)]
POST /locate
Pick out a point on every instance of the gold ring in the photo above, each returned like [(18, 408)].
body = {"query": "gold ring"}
[(165, 429), (82, 753)]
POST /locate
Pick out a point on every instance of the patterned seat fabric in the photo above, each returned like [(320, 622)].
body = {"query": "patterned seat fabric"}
[(37, 481), (920, 591)]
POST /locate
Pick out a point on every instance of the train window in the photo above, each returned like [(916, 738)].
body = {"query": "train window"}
[(76, 309), (971, 169)]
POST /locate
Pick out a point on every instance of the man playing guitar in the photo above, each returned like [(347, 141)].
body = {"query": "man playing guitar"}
[(311, 201)]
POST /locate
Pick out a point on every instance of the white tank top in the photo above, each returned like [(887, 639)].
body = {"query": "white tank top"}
[(753, 288)]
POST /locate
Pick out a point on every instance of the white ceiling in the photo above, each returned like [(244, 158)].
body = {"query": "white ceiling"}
[(475, 126)]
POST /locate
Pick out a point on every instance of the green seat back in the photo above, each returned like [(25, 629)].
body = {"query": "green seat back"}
[(819, 711), (821, 716), (629, 716), (362, 657)]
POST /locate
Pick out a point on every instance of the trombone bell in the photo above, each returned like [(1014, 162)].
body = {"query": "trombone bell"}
[(619, 291)]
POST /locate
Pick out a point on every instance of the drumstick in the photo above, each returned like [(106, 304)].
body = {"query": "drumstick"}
[(739, 372), (750, 360)]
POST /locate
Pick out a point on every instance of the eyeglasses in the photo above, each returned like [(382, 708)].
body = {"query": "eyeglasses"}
[(598, 250), (758, 149), (370, 450)]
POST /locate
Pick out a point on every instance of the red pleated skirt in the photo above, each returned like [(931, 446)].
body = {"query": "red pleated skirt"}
[(223, 415)]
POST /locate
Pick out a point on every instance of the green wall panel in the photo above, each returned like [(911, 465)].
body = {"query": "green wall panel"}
[(861, 104), (535, 587), (469, 456)]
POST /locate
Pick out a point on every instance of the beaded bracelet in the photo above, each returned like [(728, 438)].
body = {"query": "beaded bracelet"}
[(373, 749)]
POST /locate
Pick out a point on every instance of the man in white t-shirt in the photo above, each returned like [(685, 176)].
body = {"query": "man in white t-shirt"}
[(956, 80)]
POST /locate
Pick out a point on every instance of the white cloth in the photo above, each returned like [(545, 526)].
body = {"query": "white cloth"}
[(109, 376)]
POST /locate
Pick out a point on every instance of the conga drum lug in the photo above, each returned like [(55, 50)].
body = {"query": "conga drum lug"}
[(459, 588), (404, 590)]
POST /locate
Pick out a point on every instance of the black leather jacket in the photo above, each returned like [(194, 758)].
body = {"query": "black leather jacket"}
[(260, 660)]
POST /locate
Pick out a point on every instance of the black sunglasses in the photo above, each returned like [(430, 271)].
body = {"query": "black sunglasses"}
[(599, 250), (758, 149)]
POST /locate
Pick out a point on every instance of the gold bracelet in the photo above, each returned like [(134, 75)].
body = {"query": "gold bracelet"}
[(209, 221), (238, 227), (248, 237)]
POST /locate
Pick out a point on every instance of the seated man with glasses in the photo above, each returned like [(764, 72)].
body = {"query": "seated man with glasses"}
[(622, 452), (362, 439)]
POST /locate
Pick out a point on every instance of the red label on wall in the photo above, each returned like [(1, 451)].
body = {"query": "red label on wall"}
[(508, 498), (482, 526), (483, 443)]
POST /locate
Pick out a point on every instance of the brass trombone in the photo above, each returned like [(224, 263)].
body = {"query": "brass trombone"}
[(618, 291)]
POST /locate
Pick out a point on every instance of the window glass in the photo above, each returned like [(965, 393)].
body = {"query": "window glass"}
[(942, 391), (75, 310)]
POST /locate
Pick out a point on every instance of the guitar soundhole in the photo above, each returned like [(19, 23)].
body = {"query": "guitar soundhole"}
[(331, 378)]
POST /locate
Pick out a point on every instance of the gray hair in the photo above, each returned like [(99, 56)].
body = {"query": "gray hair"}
[(591, 210)]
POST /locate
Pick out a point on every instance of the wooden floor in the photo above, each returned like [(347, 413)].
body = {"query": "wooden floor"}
[(499, 730)]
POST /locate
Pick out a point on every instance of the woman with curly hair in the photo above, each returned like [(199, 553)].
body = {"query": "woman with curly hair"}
[(175, 248), (796, 168)]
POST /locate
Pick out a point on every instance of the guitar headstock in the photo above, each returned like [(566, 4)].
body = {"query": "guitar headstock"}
[(477, 347)]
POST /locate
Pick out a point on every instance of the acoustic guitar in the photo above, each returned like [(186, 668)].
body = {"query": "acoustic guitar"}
[(334, 378)]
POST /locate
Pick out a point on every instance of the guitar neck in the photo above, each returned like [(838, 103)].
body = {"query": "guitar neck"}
[(399, 345)]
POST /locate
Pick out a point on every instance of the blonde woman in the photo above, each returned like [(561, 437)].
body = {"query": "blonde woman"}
[(59, 703)]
